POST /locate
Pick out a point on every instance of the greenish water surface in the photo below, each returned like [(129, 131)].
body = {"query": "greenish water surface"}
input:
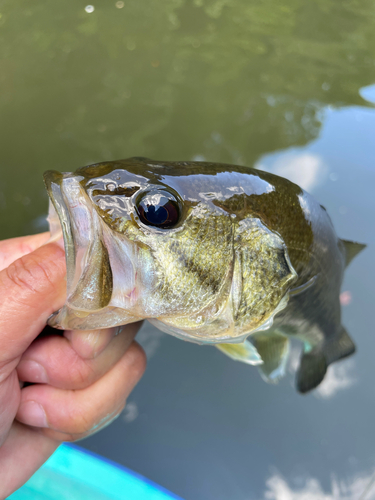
[(288, 86), (227, 80)]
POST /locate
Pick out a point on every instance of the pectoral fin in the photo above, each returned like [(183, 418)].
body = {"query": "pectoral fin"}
[(244, 352), (274, 351)]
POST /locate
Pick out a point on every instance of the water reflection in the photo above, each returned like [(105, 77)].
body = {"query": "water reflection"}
[(278, 488), (368, 93), (168, 80), (308, 170), (130, 412)]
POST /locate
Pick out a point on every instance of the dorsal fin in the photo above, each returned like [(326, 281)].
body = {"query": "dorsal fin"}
[(352, 248)]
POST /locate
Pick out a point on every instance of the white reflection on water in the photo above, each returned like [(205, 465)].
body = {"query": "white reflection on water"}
[(368, 93), (130, 412), (279, 489), (333, 177), (305, 169)]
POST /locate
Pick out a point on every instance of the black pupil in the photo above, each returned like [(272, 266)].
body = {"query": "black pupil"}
[(156, 215), (158, 209)]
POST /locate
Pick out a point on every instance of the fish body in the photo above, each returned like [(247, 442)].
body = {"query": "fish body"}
[(211, 253)]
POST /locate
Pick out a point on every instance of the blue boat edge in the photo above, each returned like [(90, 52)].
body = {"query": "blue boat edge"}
[(73, 473)]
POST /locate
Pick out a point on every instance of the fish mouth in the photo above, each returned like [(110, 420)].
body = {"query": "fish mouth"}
[(91, 253), (53, 182)]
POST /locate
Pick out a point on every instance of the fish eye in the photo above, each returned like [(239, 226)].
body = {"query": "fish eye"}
[(158, 208)]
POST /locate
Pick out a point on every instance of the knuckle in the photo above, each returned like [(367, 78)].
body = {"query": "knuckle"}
[(82, 422), (20, 275), (70, 438), (71, 370), (27, 273), (61, 436), (81, 375), (72, 423)]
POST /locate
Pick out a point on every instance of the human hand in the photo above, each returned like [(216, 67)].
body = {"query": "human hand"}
[(81, 379)]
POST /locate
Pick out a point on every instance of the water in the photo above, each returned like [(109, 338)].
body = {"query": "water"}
[(284, 85)]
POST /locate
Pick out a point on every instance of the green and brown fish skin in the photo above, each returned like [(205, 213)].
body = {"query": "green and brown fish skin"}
[(211, 253)]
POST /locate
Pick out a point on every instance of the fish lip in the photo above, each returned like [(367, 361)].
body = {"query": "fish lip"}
[(53, 182), (59, 187), (82, 227)]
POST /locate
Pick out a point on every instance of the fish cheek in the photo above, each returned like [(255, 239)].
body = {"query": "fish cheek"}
[(192, 266)]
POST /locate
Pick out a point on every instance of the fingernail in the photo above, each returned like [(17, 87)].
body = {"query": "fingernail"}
[(32, 413), (31, 371)]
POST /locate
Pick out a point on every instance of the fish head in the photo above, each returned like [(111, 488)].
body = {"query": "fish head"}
[(144, 243)]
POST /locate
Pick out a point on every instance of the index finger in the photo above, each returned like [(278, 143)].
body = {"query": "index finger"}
[(14, 248)]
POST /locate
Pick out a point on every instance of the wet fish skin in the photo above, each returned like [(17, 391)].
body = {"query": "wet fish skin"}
[(252, 255)]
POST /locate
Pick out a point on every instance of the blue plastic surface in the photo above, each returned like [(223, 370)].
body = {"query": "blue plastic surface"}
[(73, 473)]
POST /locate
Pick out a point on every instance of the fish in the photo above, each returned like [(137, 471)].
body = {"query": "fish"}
[(211, 253)]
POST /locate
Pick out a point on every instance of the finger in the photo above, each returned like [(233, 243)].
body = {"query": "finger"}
[(32, 288), (26, 446), (54, 360), (69, 414), (9, 401), (14, 248), (88, 344)]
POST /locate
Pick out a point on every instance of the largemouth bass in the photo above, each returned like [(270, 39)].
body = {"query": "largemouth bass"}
[(211, 253)]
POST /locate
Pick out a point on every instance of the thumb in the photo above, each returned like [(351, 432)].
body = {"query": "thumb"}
[(31, 289)]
